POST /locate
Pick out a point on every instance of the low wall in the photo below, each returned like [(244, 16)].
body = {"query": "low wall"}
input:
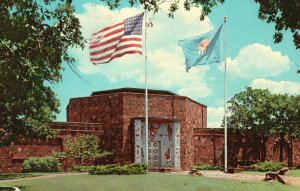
[(209, 149), (12, 157)]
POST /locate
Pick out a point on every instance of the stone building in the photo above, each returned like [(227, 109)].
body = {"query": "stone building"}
[(178, 134), (172, 119)]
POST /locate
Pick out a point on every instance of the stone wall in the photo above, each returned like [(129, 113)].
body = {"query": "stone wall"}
[(209, 149), (117, 110), (189, 113), (103, 109), (192, 117), (12, 157)]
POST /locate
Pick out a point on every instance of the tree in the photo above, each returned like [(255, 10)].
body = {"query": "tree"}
[(250, 113), (258, 114), (284, 14), (83, 148), (286, 120), (34, 41)]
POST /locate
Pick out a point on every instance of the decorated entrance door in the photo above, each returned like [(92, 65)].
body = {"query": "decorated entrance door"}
[(154, 154)]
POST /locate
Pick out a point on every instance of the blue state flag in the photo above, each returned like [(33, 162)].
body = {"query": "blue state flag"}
[(202, 49)]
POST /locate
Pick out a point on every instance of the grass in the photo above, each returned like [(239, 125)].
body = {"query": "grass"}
[(293, 173), (147, 182), (16, 175)]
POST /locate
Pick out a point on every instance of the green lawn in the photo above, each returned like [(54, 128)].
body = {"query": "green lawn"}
[(294, 173), (16, 175), (147, 182)]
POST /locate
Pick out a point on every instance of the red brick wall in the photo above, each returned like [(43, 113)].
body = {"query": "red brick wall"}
[(191, 118), (134, 106), (12, 157), (209, 148), (116, 111), (188, 112), (104, 109)]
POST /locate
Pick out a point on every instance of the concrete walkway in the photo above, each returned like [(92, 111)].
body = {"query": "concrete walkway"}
[(239, 176)]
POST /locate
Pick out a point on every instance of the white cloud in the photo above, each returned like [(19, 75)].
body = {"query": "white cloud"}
[(169, 72), (257, 61), (165, 59), (215, 117), (276, 87)]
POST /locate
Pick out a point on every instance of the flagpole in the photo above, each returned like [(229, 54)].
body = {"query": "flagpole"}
[(225, 101), (146, 94)]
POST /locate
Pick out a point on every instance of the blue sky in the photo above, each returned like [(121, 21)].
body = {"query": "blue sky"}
[(252, 57)]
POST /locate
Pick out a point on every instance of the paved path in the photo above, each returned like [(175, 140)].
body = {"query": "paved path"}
[(239, 176)]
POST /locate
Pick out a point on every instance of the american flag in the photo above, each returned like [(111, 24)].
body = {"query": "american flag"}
[(117, 40)]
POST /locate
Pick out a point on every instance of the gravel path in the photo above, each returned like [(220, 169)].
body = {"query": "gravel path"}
[(239, 176)]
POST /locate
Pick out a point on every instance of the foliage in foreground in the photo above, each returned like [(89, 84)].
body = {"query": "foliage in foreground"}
[(207, 167), (43, 164), (134, 168), (34, 40), (267, 166), (284, 14)]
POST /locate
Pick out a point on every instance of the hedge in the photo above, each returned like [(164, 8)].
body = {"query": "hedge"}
[(135, 168), (43, 164), (81, 168), (207, 167), (267, 166)]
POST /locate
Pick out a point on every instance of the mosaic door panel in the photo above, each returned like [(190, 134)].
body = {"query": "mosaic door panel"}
[(154, 154)]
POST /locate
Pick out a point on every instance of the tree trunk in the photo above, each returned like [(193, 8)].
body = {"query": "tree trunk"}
[(290, 161), (263, 149), (281, 141)]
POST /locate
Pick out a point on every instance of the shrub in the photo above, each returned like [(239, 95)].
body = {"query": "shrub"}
[(44, 164), (267, 166), (138, 168), (143, 166), (80, 168), (84, 149), (207, 167)]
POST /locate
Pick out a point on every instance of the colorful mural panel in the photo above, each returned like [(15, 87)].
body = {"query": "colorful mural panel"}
[(163, 144), (138, 141)]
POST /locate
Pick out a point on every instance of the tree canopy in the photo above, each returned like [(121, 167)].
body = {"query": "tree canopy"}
[(250, 112), (34, 41), (284, 14), (260, 113), (285, 115)]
